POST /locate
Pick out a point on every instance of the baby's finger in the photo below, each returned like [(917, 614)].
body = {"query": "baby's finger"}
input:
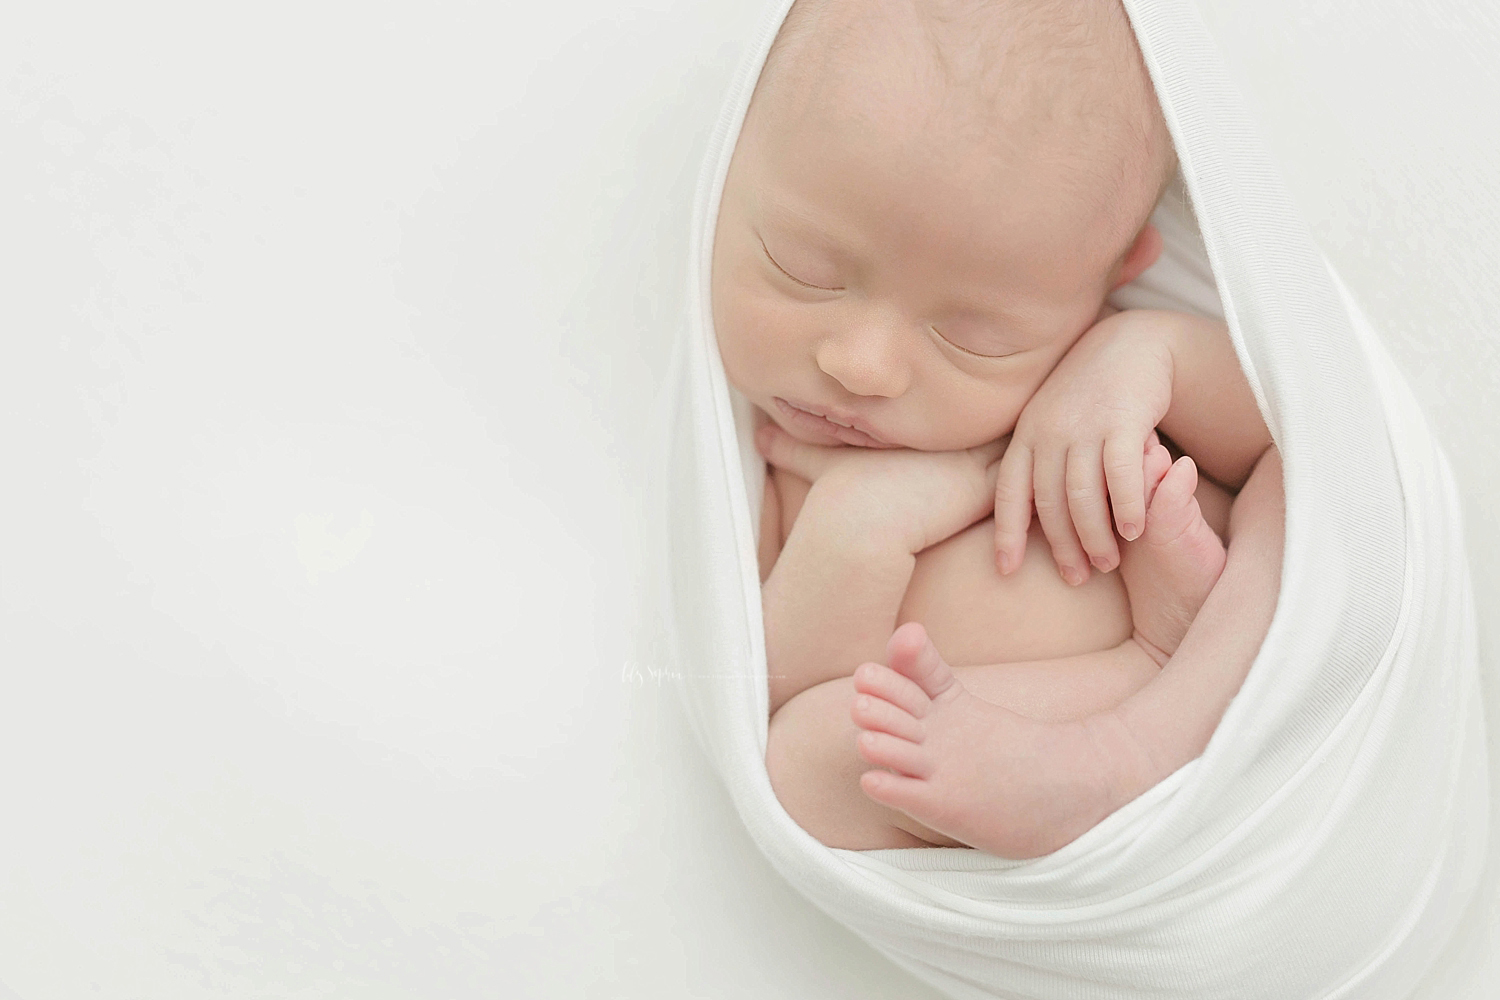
[(1049, 482), (785, 452), (1012, 506), (1089, 506), (1124, 461)]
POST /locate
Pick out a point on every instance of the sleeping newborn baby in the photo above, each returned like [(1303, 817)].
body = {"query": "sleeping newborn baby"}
[(927, 207)]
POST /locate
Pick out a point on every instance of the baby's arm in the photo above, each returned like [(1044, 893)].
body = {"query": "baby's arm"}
[(1212, 416), (832, 597), (1076, 449)]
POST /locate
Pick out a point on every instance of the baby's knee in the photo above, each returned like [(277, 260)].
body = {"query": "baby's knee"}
[(810, 748), (815, 769)]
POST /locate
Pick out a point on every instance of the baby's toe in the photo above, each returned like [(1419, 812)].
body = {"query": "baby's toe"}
[(896, 791), (912, 653), (1158, 464), (884, 683), (1174, 508), (902, 756), (881, 716)]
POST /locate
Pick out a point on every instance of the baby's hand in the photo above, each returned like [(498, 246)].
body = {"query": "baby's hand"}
[(1079, 447), (914, 499)]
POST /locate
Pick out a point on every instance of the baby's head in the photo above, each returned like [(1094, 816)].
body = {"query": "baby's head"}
[(928, 204)]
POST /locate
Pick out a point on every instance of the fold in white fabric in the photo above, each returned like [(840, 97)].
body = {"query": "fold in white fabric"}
[(1326, 840)]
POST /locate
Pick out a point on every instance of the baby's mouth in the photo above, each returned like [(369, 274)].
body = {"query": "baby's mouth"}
[(812, 420)]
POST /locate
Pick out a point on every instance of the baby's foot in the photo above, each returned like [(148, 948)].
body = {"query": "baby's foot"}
[(969, 769), (1169, 570)]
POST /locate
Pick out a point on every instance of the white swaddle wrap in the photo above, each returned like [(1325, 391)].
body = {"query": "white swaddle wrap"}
[(1327, 838)]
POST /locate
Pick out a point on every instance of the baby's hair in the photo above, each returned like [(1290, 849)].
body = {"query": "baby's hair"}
[(1036, 68), (799, 21)]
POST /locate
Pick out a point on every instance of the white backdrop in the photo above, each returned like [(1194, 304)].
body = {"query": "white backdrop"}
[(328, 339)]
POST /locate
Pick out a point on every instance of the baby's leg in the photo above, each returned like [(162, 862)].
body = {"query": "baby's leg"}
[(814, 771), (1169, 570)]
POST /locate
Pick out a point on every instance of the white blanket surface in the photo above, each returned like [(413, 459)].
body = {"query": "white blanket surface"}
[(1327, 839)]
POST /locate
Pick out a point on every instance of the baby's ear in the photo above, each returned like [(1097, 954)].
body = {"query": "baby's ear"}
[(1141, 255)]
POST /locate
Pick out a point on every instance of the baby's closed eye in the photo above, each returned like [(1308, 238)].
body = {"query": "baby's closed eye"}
[(802, 268), (977, 341)]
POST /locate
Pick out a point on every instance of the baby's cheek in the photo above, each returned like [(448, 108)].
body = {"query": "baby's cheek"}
[(986, 417), (735, 333), (1010, 398), (740, 351), (755, 342)]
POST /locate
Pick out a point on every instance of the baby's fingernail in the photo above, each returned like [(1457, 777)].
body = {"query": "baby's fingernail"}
[(1129, 531), (1006, 563), (1100, 563), (1073, 576)]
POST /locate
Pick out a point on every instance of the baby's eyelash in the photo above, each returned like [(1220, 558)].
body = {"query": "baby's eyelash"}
[(965, 350), (792, 277)]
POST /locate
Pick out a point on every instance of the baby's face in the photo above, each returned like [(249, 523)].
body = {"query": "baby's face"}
[(880, 279)]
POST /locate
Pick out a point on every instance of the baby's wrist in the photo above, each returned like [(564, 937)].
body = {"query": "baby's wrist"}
[(1161, 330), (1140, 328)]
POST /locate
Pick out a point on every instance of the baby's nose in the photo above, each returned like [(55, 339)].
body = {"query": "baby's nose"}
[(869, 361)]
